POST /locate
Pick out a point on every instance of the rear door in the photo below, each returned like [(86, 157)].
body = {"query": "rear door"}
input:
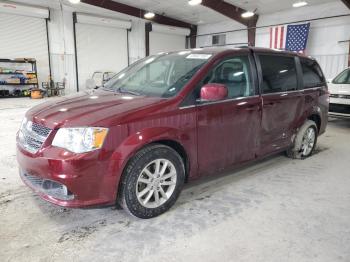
[(282, 101)]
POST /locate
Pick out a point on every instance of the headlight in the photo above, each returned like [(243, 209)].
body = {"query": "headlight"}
[(81, 139)]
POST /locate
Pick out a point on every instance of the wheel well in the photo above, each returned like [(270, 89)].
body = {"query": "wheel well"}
[(180, 150), (317, 119), (170, 143)]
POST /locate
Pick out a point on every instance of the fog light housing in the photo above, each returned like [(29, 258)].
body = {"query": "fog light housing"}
[(56, 190)]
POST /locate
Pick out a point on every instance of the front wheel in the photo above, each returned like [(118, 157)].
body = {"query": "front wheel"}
[(305, 141), (152, 181)]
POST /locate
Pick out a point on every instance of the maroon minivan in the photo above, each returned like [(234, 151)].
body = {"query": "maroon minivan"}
[(168, 119)]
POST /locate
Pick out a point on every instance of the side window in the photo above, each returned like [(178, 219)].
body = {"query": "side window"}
[(312, 74), (278, 73), (235, 73)]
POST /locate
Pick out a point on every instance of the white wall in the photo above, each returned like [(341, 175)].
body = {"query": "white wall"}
[(240, 37), (62, 52), (323, 37), (137, 49), (159, 42), (62, 48)]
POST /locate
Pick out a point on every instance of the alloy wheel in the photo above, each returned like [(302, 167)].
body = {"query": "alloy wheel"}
[(156, 183), (308, 141)]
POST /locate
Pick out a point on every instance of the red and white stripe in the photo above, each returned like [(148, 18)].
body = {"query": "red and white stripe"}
[(278, 37)]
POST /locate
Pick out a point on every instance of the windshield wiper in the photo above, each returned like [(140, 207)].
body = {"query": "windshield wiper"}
[(124, 91)]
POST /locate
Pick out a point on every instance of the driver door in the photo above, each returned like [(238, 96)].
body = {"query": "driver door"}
[(228, 130)]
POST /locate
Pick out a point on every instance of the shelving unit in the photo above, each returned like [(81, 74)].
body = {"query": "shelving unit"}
[(19, 75)]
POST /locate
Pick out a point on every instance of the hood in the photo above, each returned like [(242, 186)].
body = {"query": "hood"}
[(340, 89), (96, 108)]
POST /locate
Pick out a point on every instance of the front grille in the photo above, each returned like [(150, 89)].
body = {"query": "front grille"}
[(339, 96), (337, 108), (41, 130), (32, 136)]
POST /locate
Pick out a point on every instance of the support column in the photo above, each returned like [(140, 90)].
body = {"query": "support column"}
[(148, 28), (193, 38), (252, 30)]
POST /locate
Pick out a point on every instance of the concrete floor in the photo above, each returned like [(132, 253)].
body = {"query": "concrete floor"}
[(275, 210)]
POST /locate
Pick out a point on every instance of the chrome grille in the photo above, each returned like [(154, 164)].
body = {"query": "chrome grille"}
[(32, 136), (41, 130), (340, 96)]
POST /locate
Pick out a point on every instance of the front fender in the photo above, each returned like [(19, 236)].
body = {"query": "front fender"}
[(134, 142)]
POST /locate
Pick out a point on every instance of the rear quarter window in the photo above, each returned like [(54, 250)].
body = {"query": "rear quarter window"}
[(312, 73)]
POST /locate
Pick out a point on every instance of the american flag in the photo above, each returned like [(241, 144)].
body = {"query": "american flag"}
[(290, 37)]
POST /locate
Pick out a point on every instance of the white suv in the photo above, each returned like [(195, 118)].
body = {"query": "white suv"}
[(339, 89)]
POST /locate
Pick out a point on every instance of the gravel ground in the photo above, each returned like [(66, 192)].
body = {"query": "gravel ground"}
[(277, 209)]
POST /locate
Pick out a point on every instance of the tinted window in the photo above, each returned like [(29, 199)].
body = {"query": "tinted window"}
[(279, 73), (343, 78), (312, 74), (235, 74)]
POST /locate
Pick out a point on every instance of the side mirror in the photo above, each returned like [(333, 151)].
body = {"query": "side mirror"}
[(213, 92)]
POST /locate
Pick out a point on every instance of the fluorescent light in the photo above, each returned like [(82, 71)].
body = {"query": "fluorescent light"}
[(149, 15), (74, 1), (299, 4), (247, 14), (194, 2)]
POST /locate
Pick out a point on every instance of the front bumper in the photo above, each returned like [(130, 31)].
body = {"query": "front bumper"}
[(67, 179)]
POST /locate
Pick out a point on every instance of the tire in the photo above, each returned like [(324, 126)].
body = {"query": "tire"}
[(298, 151), (141, 183)]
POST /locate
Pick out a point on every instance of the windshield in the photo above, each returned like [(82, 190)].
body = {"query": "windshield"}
[(158, 76), (343, 78)]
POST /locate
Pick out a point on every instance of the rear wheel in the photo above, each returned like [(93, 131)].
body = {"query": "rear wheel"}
[(152, 181), (305, 141)]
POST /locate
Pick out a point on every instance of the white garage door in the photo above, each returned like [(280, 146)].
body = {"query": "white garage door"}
[(25, 37), (100, 48), (167, 38)]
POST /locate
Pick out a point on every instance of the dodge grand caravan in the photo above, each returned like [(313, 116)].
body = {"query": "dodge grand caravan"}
[(168, 119)]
